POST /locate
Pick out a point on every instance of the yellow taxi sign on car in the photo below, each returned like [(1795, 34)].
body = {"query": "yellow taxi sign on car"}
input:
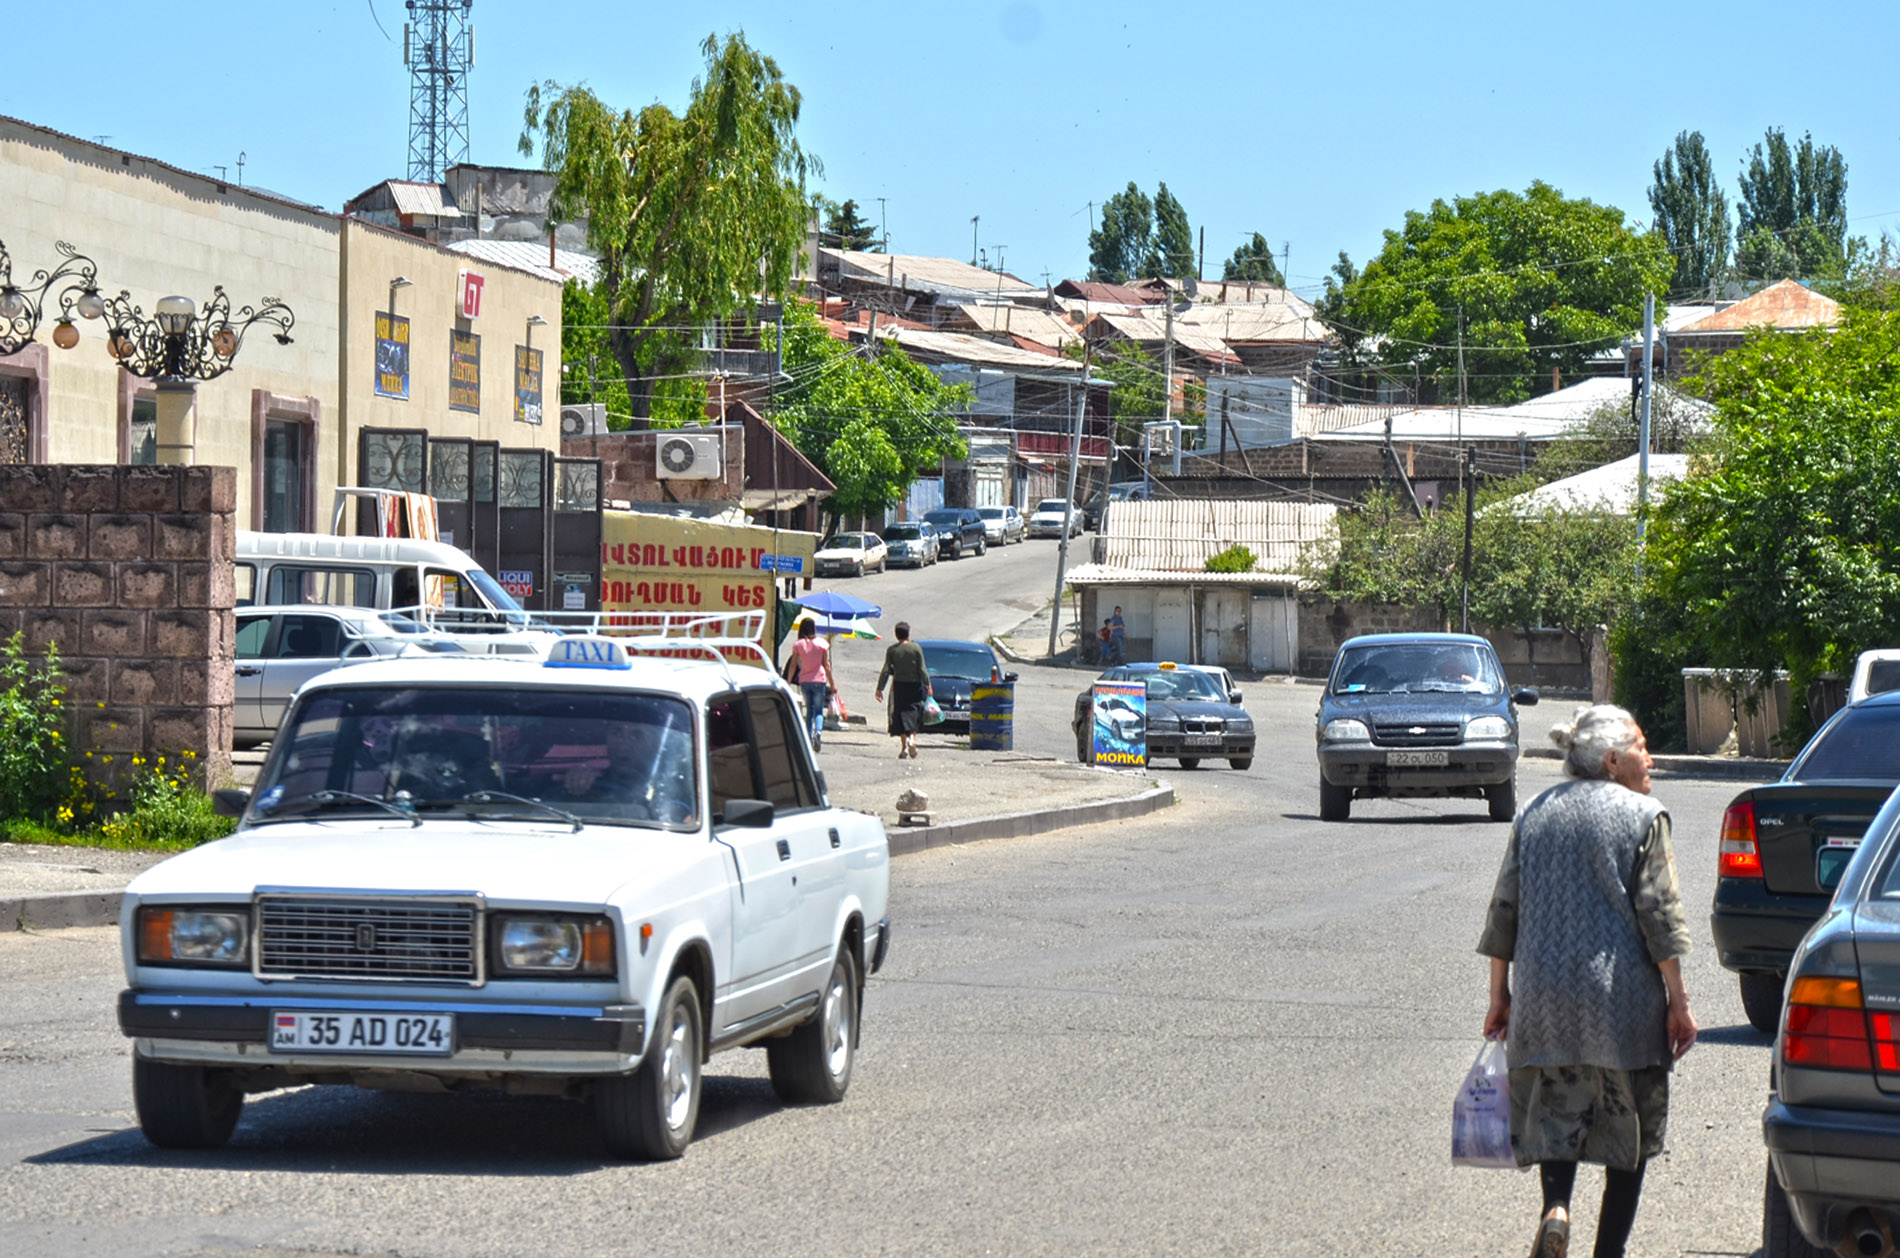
[(582, 651), (1166, 666)]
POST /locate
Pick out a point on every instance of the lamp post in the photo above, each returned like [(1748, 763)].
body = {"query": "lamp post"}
[(74, 282), (178, 346)]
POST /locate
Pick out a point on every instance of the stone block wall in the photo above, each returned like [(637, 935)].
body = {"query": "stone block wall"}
[(128, 572)]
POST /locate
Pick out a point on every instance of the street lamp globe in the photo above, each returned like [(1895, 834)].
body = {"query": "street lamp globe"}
[(12, 302), (90, 304), (65, 334), (175, 314)]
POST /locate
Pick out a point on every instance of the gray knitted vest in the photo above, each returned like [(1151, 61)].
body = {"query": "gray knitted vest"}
[(1584, 992)]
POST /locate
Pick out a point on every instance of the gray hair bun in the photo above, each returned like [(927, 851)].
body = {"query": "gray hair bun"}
[(1594, 730)]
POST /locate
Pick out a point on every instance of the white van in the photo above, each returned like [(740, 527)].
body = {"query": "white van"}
[(383, 573)]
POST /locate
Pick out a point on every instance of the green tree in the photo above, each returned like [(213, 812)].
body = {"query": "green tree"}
[(1793, 211), (845, 229), (1173, 237), (1543, 281), (1778, 550), (591, 373), (1124, 244), (871, 422), (1254, 261), (691, 214), (1692, 214), (1136, 394)]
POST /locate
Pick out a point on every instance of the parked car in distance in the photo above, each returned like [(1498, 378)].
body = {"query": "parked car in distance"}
[(1832, 1125), (1052, 515), (1002, 525), (1874, 671), (955, 667), (278, 649), (961, 530), (1096, 508), (510, 875), (852, 554), (1418, 714), (1785, 844), (1222, 679), (911, 545), (1189, 717)]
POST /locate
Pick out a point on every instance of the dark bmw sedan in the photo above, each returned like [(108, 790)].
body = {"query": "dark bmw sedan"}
[(1418, 714), (1785, 844), (955, 667)]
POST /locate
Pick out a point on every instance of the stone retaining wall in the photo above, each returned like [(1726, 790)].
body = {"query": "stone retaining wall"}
[(128, 572)]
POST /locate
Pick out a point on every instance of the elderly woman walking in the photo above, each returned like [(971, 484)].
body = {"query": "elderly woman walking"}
[(909, 676), (1585, 935)]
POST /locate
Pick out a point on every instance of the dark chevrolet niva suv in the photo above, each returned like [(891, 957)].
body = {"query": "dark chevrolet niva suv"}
[(1418, 714)]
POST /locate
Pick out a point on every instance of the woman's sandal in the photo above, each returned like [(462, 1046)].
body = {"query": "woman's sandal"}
[(1553, 1238)]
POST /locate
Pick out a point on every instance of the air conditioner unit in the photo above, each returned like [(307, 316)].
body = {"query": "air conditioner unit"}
[(686, 456), (588, 419)]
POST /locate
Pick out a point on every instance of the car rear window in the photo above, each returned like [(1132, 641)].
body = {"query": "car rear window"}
[(902, 533), (1862, 743), (974, 662), (1417, 667), (1882, 676), (1182, 684)]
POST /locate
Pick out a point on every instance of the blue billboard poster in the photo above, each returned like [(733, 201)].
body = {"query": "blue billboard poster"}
[(392, 355), (1120, 721)]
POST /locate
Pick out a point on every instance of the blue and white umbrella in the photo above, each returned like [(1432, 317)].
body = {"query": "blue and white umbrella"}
[(837, 606)]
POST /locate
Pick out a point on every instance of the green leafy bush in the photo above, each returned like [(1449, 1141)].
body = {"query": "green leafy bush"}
[(1235, 558), (32, 742)]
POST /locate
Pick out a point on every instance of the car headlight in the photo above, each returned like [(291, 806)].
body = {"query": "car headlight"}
[(1240, 725), (546, 943), (1346, 731), (1487, 727), (192, 936), (1162, 720)]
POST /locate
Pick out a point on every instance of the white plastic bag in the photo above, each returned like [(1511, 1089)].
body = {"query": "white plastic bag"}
[(1481, 1117)]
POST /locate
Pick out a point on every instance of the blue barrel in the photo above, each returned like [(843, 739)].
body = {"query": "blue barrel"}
[(993, 716)]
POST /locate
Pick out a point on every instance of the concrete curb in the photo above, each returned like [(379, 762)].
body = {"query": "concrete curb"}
[(909, 840), (1721, 768), (69, 909)]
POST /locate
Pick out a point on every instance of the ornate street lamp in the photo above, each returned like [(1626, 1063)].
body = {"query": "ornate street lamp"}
[(179, 345), (21, 307)]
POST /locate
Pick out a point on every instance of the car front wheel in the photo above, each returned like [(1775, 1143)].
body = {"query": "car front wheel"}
[(1761, 1000), (1190, 762), (1084, 751), (812, 1065), (1335, 802), (1240, 762), (184, 1107), (1502, 799), (650, 1114)]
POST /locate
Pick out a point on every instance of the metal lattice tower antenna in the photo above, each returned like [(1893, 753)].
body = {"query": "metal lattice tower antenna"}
[(438, 46)]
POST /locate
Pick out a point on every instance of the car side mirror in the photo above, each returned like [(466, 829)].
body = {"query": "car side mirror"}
[(1233, 697), (754, 814), (1525, 696), (1011, 677), (230, 802)]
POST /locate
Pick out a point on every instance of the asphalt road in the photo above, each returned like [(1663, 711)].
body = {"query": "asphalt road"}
[(1228, 1028)]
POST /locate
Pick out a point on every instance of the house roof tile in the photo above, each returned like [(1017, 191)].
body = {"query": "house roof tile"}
[(1786, 305)]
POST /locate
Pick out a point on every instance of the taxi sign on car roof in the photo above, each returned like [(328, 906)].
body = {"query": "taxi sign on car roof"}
[(588, 652), (1166, 666)]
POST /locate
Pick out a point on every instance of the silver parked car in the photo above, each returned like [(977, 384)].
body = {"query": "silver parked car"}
[(281, 648), (1833, 1120), (1002, 525)]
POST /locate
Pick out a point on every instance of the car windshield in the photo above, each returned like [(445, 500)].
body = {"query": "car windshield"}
[(966, 660), (1182, 684), (1860, 744), (1051, 506), (846, 541), (615, 757), (990, 513), (903, 533), (1394, 668)]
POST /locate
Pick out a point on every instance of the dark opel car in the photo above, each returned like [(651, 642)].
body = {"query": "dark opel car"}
[(1190, 718), (1832, 1125), (1418, 714), (961, 531), (1785, 844)]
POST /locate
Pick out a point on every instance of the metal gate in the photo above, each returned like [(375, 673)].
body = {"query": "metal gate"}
[(1272, 632), (574, 538), (389, 458), (521, 495), (450, 485)]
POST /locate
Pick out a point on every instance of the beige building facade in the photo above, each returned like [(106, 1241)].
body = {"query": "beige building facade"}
[(290, 418)]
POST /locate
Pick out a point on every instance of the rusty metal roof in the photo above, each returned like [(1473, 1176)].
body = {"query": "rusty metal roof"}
[(1786, 305), (1178, 535), (1110, 294)]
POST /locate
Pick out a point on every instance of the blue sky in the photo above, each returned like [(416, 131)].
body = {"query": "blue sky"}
[(1318, 125)]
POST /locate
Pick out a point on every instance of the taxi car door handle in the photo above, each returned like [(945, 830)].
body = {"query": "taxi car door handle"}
[(784, 850), (248, 670), (834, 838)]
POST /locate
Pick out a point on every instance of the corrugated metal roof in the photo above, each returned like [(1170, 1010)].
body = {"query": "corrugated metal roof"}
[(1254, 321), (1151, 329), (1178, 535), (1110, 294), (1019, 321), (532, 256), (1442, 423), (1611, 487), (1109, 574), (960, 347), (420, 198), (1786, 305), (926, 274)]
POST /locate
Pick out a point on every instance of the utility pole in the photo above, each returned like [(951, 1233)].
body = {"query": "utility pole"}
[(1200, 266), (1461, 376), (1167, 364), (1469, 474), (1642, 436), (883, 232), (973, 221), (1286, 264), (1068, 510)]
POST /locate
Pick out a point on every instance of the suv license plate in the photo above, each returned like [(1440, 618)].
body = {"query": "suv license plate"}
[(1418, 759), (1201, 740), (350, 1031)]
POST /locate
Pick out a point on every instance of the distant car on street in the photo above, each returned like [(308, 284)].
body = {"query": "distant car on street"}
[(1222, 678), (1418, 714), (960, 531), (1874, 672), (1189, 717), (955, 667), (1052, 515), (1002, 525), (1832, 1125), (852, 554), (1096, 508), (911, 545), (1785, 844)]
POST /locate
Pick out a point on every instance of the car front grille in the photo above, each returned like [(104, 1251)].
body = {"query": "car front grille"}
[(1418, 734), (1203, 725), (426, 940)]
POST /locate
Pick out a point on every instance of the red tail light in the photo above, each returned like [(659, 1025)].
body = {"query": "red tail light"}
[(1886, 1029), (1741, 847), (1827, 1026)]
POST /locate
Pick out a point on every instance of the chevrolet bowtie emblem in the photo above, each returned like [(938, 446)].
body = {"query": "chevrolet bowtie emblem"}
[(1416, 729)]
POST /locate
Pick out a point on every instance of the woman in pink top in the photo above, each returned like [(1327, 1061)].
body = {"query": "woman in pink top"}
[(810, 671)]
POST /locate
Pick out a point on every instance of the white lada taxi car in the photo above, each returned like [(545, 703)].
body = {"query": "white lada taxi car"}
[(581, 876)]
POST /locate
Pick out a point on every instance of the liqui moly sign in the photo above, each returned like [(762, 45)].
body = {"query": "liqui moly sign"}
[(470, 287)]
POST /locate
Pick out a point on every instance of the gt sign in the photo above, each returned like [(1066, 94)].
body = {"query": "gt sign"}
[(470, 287)]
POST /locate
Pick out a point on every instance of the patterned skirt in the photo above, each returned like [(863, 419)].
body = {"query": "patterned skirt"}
[(1614, 1118)]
